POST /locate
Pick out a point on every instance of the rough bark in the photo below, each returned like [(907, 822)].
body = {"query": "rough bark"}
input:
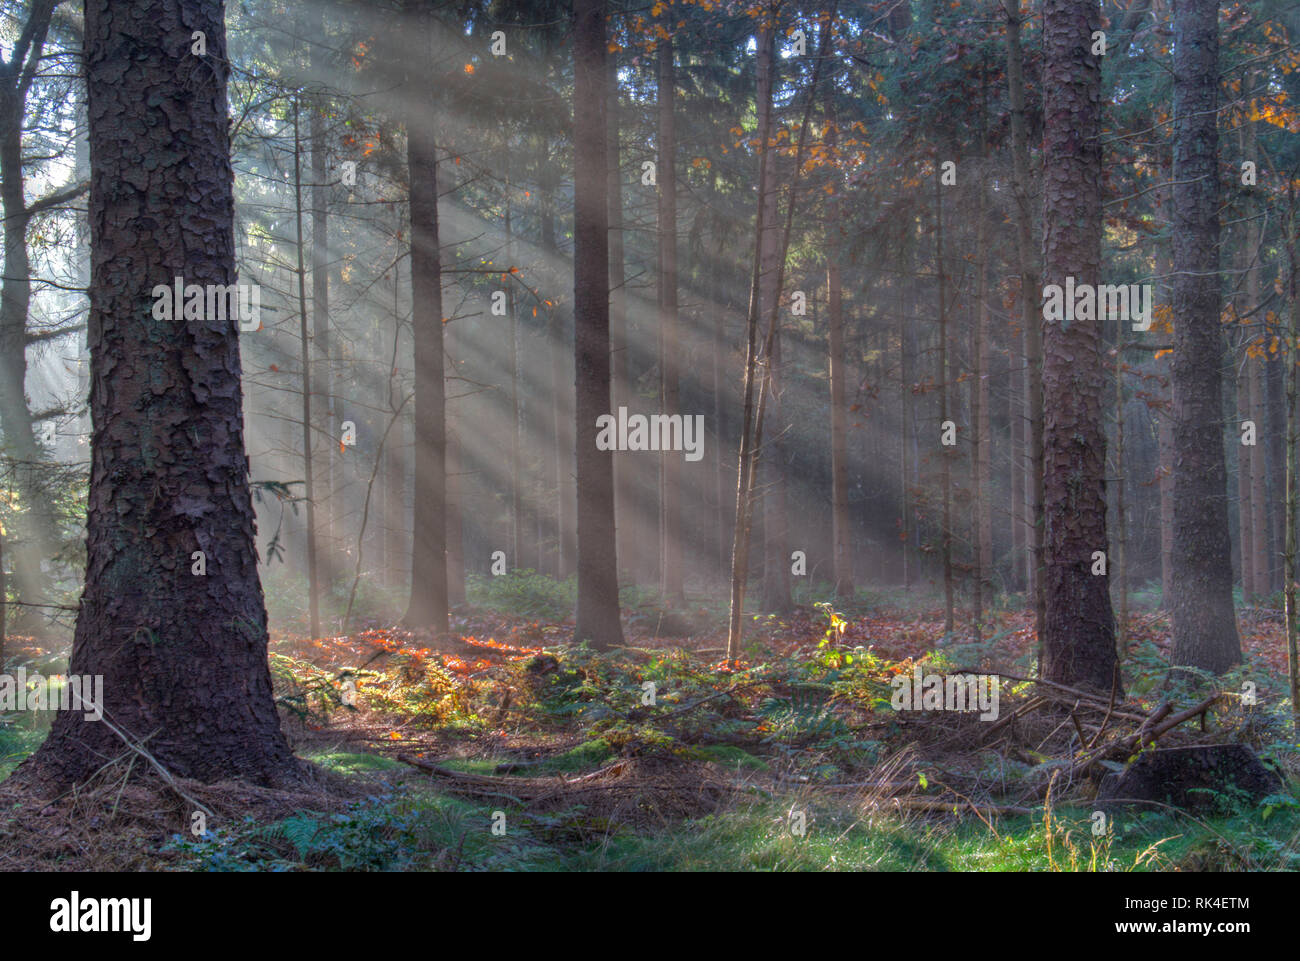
[(1079, 630), (1031, 317), (183, 656), (597, 617), (1204, 625)]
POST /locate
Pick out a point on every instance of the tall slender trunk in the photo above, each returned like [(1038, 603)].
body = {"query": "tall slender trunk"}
[(982, 531), (1245, 516), (744, 456), (1016, 422), (597, 617), (1079, 631), (770, 478), (455, 519), (945, 453), (34, 537), (1292, 466), (840, 529), (1204, 623), (720, 447), (309, 489), (1031, 317), (906, 333), (624, 507), (396, 553), (516, 475), (322, 379), (427, 609), (1259, 560), (671, 583), (1120, 570)]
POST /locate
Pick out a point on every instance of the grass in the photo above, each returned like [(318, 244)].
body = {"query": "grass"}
[(424, 830), (17, 741)]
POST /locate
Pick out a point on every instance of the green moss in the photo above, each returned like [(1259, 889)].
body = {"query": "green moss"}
[(731, 756)]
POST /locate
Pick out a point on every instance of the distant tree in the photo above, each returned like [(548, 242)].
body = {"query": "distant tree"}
[(34, 528)]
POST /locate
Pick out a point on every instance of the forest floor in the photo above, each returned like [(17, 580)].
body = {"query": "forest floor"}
[(517, 751)]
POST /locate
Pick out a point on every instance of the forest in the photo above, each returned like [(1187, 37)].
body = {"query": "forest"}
[(649, 435)]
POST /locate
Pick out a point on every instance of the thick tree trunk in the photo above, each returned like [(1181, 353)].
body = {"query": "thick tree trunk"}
[(427, 609), (1204, 624), (183, 655), (1079, 632), (597, 617)]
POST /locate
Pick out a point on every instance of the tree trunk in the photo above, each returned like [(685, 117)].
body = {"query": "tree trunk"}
[(597, 617), (1016, 421), (183, 656), (1245, 516), (1204, 625), (1031, 317), (1292, 466), (33, 538), (327, 426), (671, 583), (945, 453), (308, 457), (1259, 560), (455, 522), (1079, 635), (427, 609), (840, 529), (624, 505), (744, 454)]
